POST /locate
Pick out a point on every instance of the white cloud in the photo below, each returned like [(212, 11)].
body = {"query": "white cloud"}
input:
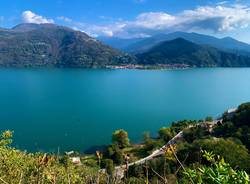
[(153, 20), (218, 18), (30, 17), (222, 2), (65, 19)]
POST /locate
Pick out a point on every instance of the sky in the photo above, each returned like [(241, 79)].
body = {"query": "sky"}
[(134, 18)]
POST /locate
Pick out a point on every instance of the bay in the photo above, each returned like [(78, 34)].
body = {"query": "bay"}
[(78, 109)]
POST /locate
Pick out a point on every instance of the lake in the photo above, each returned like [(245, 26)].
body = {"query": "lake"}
[(77, 109)]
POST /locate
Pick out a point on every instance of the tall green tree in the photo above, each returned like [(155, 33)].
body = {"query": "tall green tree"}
[(120, 137)]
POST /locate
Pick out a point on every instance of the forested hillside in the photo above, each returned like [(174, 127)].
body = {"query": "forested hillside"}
[(181, 51), (50, 45)]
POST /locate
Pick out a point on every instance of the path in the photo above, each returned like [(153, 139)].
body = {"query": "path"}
[(119, 170)]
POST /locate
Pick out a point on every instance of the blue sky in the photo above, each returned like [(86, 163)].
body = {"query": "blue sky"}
[(134, 18)]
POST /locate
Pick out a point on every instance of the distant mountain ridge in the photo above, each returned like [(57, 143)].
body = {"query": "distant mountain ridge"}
[(119, 43), (50, 45), (181, 51), (227, 44), (36, 45)]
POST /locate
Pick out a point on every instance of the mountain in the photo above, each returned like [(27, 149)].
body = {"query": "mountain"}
[(50, 45), (227, 44), (35, 45), (119, 43), (181, 51)]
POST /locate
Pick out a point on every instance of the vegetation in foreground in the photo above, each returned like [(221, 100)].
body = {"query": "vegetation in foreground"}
[(203, 155)]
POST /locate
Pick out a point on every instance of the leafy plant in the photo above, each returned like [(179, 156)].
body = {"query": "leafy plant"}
[(218, 173)]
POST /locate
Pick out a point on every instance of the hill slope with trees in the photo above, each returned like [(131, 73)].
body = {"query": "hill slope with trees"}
[(44, 45), (50, 45), (181, 51), (226, 44)]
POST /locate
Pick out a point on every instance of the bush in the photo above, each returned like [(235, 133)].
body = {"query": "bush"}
[(166, 134), (120, 137), (219, 172), (194, 133), (109, 166), (233, 152), (209, 119)]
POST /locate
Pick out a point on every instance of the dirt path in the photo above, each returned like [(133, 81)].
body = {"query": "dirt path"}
[(120, 170)]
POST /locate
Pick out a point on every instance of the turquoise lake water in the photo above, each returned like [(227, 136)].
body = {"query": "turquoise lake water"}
[(76, 109)]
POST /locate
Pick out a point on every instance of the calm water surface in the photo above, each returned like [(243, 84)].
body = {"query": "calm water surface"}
[(77, 109)]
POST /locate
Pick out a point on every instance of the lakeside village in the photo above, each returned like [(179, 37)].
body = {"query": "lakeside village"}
[(149, 67)]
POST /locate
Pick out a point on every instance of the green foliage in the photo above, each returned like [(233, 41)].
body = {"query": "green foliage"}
[(196, 132), (181, 125), (166, 134), (136, 171), (135, 180), (21, 167), (50, 45), (185, 163), (181, 51), (146, 137), (115, 153), (219, 172), (120, 137), (209, 119), (233, 152), (236, 125), (6, 138), (109, 166), (242, 115), (149, 146)]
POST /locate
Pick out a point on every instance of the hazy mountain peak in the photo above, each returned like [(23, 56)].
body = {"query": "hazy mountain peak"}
[(25, 27), (227, 44), (179, 40)]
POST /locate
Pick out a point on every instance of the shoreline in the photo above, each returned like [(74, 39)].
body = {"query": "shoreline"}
[(150, 67)]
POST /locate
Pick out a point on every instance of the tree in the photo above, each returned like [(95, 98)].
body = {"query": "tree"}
[(109, 165), (233, 152), (165, 134), (115, 153), (118, 157), (194, 133), (209, 119), (242, 115), (236, 125), (146, 137), (120, 137)]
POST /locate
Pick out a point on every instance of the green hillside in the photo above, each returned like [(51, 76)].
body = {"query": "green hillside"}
[(181, 51), (49, 45)]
